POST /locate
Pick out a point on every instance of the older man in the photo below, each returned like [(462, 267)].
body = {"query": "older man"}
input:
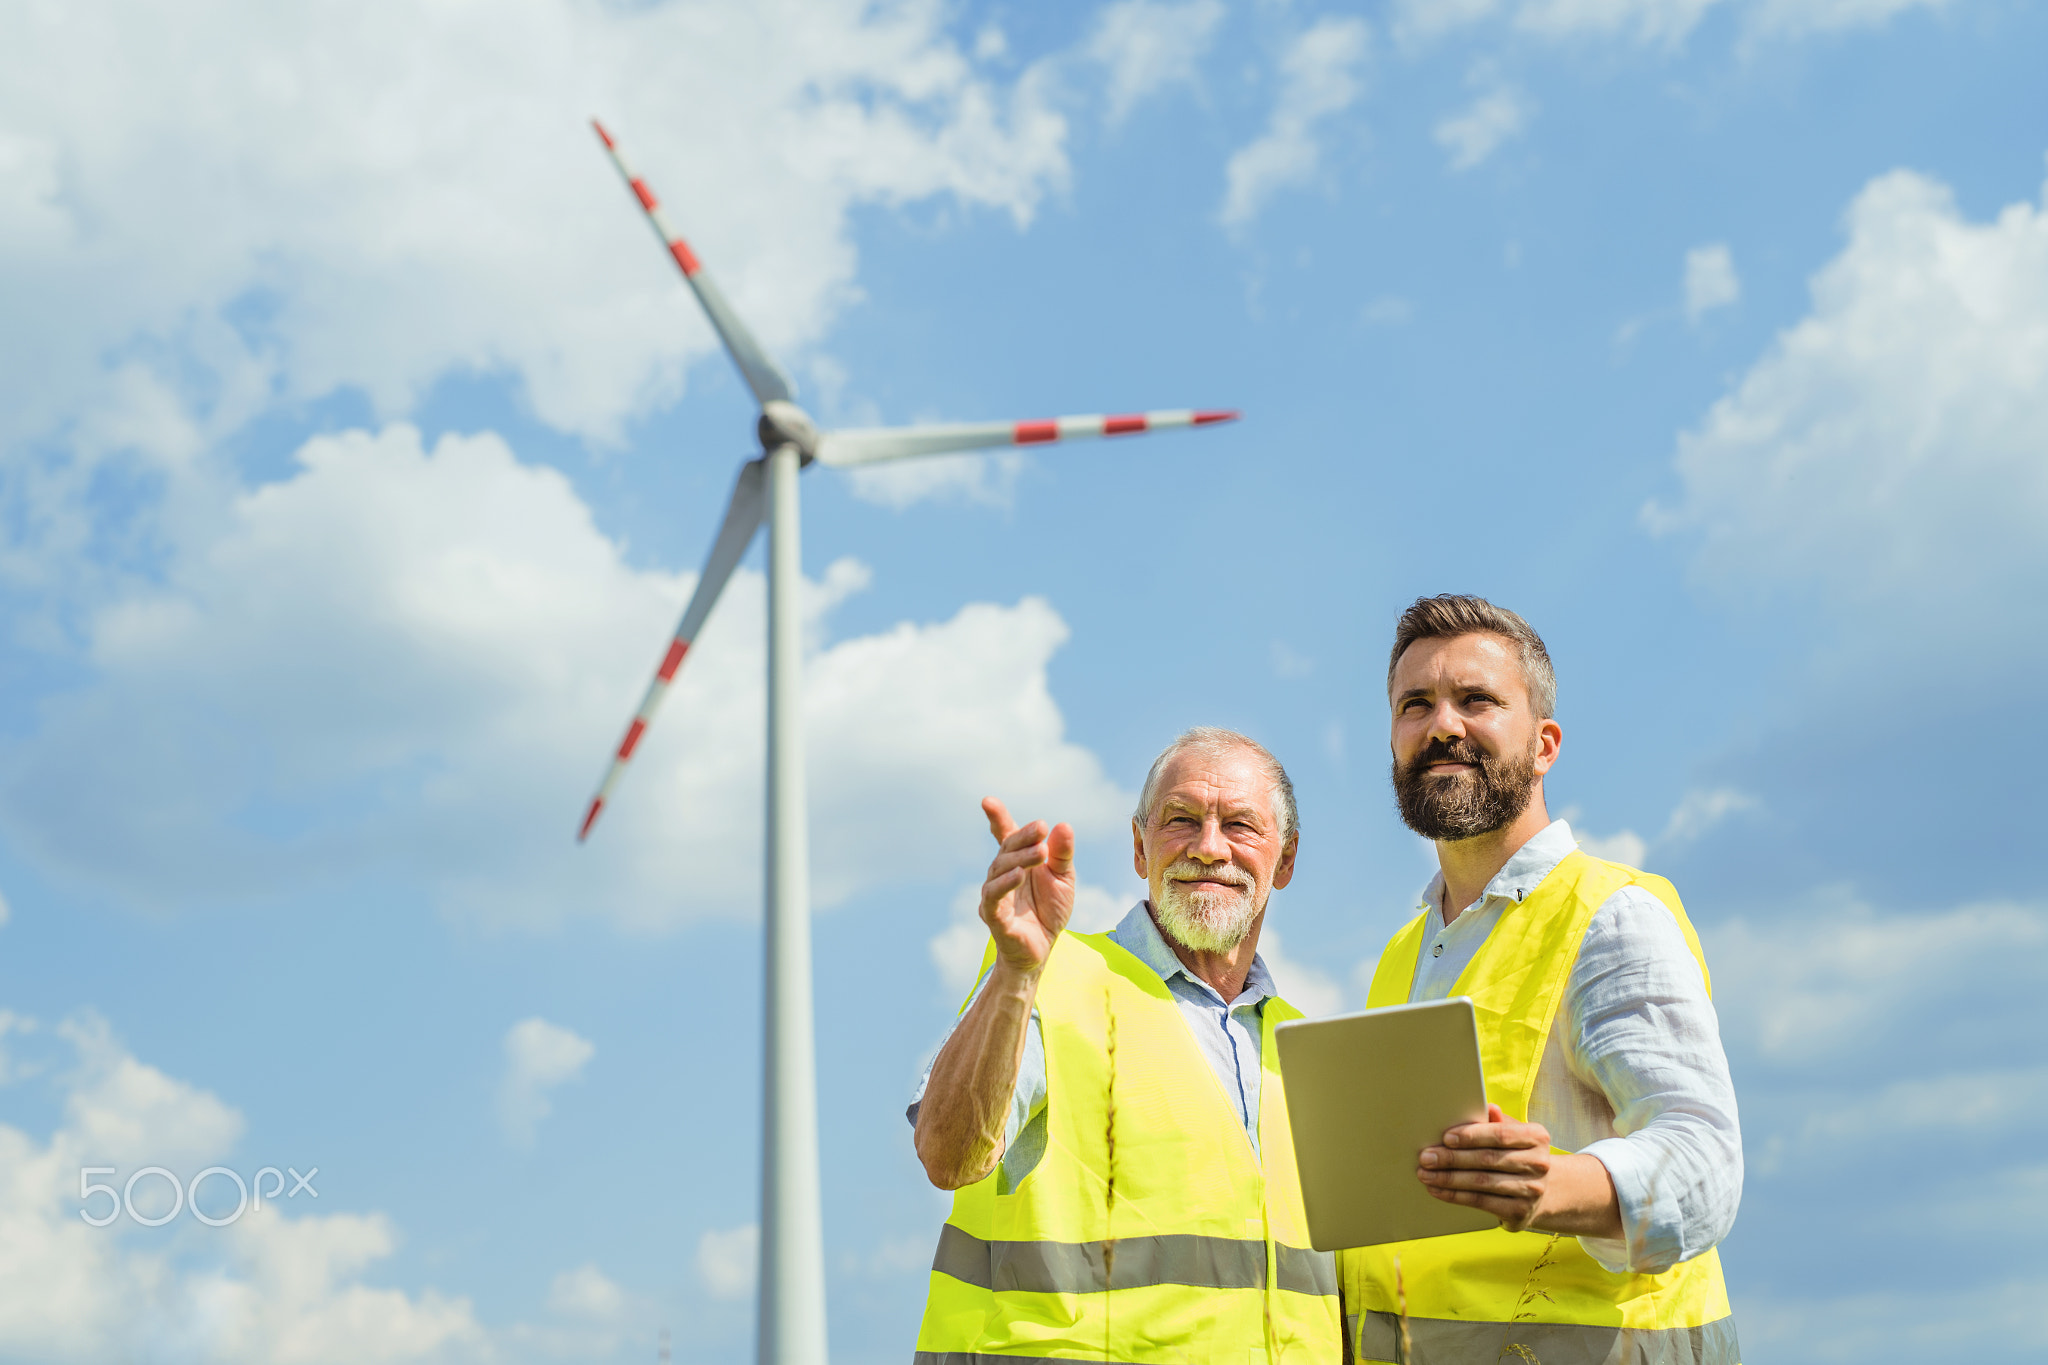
[(1613, 1123), (1108, 1106)]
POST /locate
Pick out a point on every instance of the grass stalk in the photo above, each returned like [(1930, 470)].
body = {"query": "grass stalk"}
[(1109, 1180)]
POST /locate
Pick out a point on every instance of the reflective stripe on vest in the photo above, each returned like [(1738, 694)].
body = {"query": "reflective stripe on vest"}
[(989, 1358), (1501, 1287), (1084, 1267), (1149, 1232), (1554, 1343)]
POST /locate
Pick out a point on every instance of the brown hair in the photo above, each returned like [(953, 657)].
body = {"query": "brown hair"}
[(1448, 615)]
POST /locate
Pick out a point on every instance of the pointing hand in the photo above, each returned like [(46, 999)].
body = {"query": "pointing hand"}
[(1029, 895)]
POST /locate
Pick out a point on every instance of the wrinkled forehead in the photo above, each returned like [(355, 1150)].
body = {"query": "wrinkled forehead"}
[(1479, 660), (1226, 783)]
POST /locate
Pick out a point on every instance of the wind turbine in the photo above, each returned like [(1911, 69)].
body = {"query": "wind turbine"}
[(792, 1284)]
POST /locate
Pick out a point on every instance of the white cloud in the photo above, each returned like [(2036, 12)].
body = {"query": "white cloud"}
[(131, 1114), (1418, 22), (1888, 446), (893, 1258), (300, 1301), (268, 1289), (1845, 1022), (586, 1292), (539, 1056), (989, 480), (1476, 134), (1387, 311), (1651, 21), (472, 646), (1697, 812), (1710, 280), (1315, 993), (1288, 664), (1321, 75), (1794, 17), (1958, 1102), (199, 214), (729, 1261), (1700, 810), (1831, 977), (1625, 846), (1991, 1317), (1149, 45), (11, 1069)]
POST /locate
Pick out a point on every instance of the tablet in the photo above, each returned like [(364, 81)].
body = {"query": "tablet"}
[(1365, 1094)]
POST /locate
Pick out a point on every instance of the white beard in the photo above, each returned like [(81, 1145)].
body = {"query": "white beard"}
[(1206, 921)]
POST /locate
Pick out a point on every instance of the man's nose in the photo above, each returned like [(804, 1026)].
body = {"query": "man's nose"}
[(1445, 722), (1212, 847)]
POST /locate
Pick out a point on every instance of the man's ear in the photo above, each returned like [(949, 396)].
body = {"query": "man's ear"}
[(1549, 740), (1283, 871), (1138, 851)]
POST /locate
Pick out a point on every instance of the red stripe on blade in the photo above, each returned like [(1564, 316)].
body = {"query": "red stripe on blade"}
[(590, 819), (685, 257), (676, 650), (644, 195), (633, 733), (1203, 419), (1033, 433), (606, 137), (1123, 426)]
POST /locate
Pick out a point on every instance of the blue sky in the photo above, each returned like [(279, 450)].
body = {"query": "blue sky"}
[(358, 449)]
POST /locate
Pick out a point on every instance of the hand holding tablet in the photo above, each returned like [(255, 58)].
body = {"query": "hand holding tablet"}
[(1366, 1094)]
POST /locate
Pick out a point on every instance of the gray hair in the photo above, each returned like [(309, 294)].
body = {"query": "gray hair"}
[(1213, 741)]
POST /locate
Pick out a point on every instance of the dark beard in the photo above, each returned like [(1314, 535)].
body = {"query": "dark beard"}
[(1469, 804)]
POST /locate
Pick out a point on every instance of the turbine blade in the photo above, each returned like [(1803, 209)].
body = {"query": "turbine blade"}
[(763, 376), (866, 445), (742, 519)]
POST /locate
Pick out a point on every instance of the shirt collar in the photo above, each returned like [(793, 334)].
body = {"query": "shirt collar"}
[(1522, 873), (1140, 937)]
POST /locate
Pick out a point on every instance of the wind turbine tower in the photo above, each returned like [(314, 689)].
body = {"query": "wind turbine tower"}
[(792, 1284)]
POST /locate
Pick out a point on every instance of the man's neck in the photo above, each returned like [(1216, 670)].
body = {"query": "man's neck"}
[(1224, 972), (1469, 864)]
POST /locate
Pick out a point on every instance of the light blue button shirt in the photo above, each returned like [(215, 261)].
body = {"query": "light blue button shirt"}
[(1633, 1073), (1227, 1032)]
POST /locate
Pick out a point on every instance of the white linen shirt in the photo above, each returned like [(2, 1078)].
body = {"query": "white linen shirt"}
[(1633, 1073), (1227, 1032)]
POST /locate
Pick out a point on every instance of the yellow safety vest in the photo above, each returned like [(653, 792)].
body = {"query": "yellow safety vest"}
[(1530, 1296), (1150, 1232)]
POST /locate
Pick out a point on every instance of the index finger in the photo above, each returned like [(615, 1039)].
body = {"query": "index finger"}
[(1059, 848), (1509, 1135), (999, 822)]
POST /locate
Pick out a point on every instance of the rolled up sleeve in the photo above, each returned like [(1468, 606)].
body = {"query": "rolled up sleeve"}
[(1025, 1100), (1642, 1031)]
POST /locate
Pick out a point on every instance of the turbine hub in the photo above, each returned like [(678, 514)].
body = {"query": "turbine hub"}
[(784, 423)]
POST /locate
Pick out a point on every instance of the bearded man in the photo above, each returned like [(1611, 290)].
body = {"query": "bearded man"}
[(1108, 1107), (1612, 1125)]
